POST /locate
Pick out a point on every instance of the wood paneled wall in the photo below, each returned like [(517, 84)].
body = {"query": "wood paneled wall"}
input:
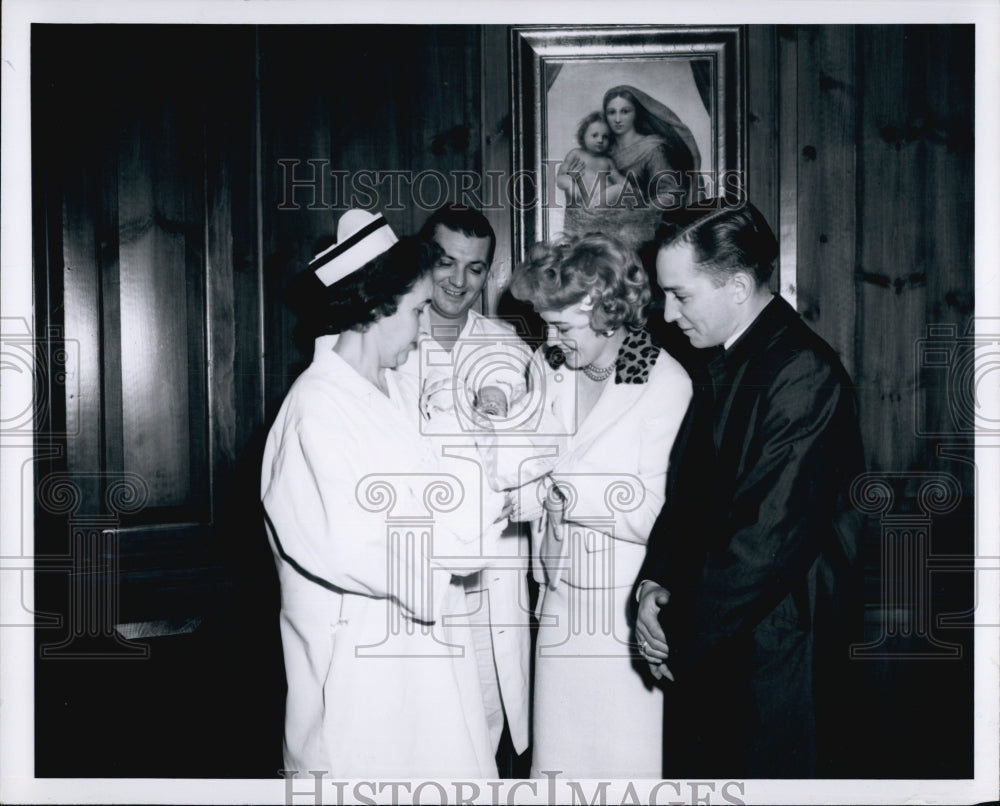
[(875, 156), (390, 109), (884, 216)]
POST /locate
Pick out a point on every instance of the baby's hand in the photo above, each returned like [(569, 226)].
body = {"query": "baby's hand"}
[(491, 401)]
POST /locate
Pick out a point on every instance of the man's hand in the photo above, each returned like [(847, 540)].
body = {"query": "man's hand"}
[(649, 633)]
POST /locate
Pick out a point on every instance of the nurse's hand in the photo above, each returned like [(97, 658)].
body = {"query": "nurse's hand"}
[(439, 396)]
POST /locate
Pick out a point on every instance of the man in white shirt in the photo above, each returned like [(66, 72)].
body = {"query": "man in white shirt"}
[(483, 361)]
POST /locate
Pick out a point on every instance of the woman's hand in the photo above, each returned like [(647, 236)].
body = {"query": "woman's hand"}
[(509, 505), (649, 633), (439, 396), (527, 500), (553, 544)]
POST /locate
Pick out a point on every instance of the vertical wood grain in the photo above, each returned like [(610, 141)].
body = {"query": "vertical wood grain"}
[(421, 126), (762, 171), (147, 311), (496, 145), (73, 172), (233, 303), (128, 280), (237, 138), (161, 225), (787, 144), (946, 120), (294, 126), (78, 185), (826, 184), (892, 194)]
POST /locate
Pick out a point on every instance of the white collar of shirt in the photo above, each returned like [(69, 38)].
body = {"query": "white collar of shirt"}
[(465, 330)]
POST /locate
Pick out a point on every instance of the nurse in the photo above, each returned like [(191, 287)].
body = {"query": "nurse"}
[(371, 538)]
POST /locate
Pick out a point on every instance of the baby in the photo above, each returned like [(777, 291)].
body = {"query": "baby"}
[(588, 175), (482, 395), (483, 375)]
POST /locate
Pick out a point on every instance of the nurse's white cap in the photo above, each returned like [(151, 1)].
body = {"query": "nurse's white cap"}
[(361, 236)]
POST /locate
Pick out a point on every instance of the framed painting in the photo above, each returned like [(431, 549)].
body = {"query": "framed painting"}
[(615, 126)]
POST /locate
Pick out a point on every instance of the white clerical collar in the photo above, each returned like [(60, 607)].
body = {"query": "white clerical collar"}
[(733, 339)]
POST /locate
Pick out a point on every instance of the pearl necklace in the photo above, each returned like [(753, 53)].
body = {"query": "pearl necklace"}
[(599, 373)]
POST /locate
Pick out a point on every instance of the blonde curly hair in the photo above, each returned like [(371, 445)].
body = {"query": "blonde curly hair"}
[(561, 273)]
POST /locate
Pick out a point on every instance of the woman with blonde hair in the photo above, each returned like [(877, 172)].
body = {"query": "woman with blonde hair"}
[(612, 404)]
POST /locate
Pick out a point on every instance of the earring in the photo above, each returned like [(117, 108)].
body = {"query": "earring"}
[(609, 333)]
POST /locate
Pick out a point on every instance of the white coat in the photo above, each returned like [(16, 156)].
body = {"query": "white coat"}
[(593, 716), (489, 352), (366, 532)]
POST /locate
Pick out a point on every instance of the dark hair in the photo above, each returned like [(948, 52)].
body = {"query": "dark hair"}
[(559, 274), (459, 218), (581, 130), (724, 241), (364, 296)]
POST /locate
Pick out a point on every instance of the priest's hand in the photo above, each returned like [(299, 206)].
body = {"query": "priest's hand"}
[(649, 633)]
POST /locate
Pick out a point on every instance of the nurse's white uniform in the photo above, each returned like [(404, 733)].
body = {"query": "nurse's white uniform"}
[(367, 531)]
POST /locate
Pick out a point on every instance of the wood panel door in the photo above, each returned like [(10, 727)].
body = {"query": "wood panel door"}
[(147, 274)]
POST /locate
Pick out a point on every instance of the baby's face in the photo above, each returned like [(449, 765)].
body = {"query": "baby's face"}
[(597, 137)]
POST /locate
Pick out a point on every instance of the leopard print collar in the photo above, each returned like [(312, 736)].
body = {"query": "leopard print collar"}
[(636, 357)]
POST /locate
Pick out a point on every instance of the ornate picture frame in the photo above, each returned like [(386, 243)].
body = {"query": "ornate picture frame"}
[(688, 93)]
